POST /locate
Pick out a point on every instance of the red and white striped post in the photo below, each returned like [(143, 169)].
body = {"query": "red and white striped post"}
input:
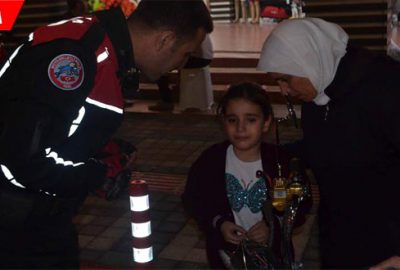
[(141, 225)]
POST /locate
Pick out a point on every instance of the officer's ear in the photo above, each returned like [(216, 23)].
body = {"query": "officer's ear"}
[(165, 40)]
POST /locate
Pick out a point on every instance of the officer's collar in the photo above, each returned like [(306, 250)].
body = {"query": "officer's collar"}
[(114, 23)]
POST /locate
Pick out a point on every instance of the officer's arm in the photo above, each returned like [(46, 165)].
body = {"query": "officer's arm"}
[(37, 123), (32, 165)]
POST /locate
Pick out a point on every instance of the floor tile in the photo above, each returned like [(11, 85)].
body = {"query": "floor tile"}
[(171, 227), (185, 241), (116, 259), (90, 255), (177, 217), (114, 232), (83, 219), (164, 264), (101, 243), (104, 221), (196, 255), (92, 230), (191, 265), (84, 240), (162, 237), (174, 253)]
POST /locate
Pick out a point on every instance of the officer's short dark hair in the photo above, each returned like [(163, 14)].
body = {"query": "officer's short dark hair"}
[(184, 17)]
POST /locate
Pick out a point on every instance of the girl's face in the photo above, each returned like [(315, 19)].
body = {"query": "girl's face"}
[(244, 125)]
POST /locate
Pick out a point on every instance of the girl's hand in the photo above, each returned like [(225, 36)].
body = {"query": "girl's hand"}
[(259, 232), (232, 233)]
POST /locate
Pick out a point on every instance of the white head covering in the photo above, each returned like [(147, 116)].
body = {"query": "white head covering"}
[(308, 47)]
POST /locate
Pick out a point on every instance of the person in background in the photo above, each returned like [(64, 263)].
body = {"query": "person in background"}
[(351, 136), (166, 103), (59, 111), (224, 193), (254, 11), (240, 11), (195, 85), (127, 6)]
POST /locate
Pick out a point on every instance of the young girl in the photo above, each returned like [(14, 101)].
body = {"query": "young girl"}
[(224, 190)]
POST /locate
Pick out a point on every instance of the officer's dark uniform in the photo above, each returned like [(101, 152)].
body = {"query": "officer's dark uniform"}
[(61, 101)]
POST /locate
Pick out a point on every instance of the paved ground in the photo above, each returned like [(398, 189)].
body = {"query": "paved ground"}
[(168, 144)]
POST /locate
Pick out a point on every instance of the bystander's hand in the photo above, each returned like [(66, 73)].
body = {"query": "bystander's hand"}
[(259, 232), (391, 263), (232, 233)]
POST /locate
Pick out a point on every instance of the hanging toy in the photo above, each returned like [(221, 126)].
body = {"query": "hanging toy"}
[(127, 6)]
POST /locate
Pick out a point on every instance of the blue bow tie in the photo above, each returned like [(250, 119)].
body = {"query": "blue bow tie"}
[(238, 197)]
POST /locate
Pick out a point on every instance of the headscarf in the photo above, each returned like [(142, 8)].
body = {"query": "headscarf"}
[(307, 47)]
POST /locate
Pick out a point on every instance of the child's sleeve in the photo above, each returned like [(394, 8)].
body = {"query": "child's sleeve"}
[(190, 196), (199, 198)]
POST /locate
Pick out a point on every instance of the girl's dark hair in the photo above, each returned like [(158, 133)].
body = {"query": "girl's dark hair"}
[(252, 92)]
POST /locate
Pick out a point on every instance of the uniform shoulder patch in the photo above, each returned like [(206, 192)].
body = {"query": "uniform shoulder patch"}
[(66, 72)]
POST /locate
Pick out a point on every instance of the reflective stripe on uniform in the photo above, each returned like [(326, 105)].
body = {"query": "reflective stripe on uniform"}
[(10, 177), (103, 56), (60, 160), (77, 121), (8, 62), (104, 106)]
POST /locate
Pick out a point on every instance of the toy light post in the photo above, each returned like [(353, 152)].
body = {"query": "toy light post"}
[(141, 225)]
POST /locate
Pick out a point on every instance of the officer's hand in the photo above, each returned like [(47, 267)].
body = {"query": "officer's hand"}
[(121, 182), (232, 233), (112, 188), (105, 188), (130, 160)]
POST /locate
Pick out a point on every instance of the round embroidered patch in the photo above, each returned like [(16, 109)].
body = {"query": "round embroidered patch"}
[(66, 72)]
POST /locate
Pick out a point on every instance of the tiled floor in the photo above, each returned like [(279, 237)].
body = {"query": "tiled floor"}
[(168, 144)]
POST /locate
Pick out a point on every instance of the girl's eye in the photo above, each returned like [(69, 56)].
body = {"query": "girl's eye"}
[(231, 120), (252, 119)]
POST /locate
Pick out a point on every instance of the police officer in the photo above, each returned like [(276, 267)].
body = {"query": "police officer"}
[(61, 101)]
